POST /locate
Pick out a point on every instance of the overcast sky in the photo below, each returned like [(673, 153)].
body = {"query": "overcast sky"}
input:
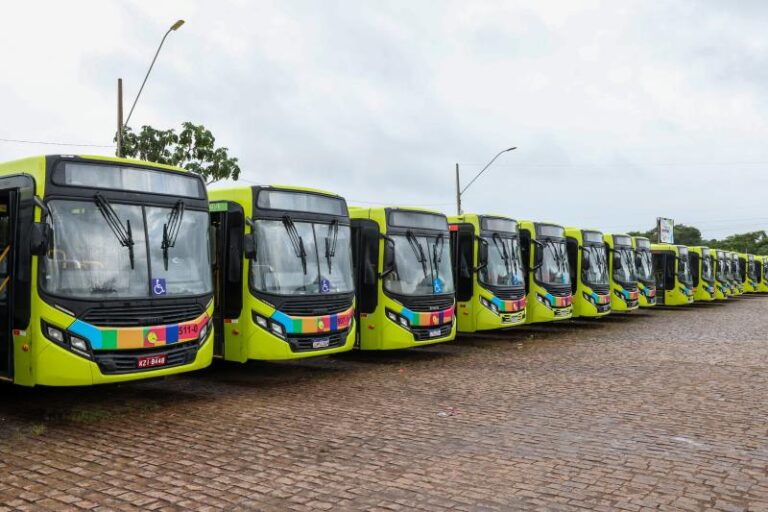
[(622, 111)]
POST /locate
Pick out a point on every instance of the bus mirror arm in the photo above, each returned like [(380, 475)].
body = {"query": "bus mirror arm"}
[(249, 246), (42, 233)]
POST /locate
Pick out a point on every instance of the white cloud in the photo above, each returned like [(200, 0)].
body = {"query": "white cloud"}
[(621, 112)]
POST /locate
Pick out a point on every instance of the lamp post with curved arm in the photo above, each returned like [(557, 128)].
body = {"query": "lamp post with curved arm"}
[(460, 191), (121, 124)]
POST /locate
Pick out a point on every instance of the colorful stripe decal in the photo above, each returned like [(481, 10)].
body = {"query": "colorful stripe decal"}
[(509, 306), (601, 299), (314, 324), (431, 318), (110, 338), (629, 295), (559, 302)]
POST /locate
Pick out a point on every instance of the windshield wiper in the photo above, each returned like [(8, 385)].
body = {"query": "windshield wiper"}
[(171, 229), (417, 250), (502, 248), (123, 234), (438, 257), (296, 241), (330, 244)]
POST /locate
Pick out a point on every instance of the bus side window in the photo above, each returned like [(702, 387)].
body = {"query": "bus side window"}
[(465, 281), (572, 246), (365, 261), (525, 254), (670, 262), (658, 270), (695, 268)]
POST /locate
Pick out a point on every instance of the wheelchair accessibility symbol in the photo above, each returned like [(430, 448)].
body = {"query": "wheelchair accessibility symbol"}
[(158, 286)]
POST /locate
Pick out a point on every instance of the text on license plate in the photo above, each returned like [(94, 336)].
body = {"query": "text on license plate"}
[(150, 361), (433, 333), (321, 343)]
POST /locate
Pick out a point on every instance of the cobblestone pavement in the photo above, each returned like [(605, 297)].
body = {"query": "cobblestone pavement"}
[(651, 410)]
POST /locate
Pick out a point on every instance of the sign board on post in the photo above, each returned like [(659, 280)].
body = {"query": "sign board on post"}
[(666, 230)]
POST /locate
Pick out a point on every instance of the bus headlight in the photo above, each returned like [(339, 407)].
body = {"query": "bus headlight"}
[(490, 305), (589, 298), (67, 340), (204, 332), (543, 301), (399, 319), (269, 325)]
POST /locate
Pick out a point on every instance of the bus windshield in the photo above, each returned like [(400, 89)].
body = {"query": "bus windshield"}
[(753, 269), (422, 265), (707, 274), (594, 267), (301, 258), (87, 260), (504, 265), (684, 268), (720, 268), (554, 263), (644, 267), (624, 265)]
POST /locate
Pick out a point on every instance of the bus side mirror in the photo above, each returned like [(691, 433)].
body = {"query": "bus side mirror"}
[(249, 246), (389, 257), (40, 238), (369, 274), (482, 255), (586, 261), (538, 256)]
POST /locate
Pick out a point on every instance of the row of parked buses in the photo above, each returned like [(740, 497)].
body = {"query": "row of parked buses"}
[(114, 270)]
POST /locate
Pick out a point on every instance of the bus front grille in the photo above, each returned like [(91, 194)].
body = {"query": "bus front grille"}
[(316, 305), (113, 362), (142, 315), (427, 303)]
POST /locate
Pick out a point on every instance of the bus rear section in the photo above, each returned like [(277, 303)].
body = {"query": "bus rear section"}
[(588, 266), (488, 272), (104, 271), (674, 283), (622, 266), (283, 273), (404, 278), (547, 273)]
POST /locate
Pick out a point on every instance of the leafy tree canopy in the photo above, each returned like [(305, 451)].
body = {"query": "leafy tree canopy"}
[(193, 148)]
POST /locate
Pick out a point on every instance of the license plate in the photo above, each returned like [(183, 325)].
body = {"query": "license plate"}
[(150, 361), (433, 333), (321, 343)]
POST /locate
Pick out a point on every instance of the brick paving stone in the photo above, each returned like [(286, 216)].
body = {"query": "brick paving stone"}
[(654, 410)]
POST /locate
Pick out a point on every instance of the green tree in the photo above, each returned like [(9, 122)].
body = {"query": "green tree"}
[(754, 242), (193, 148)]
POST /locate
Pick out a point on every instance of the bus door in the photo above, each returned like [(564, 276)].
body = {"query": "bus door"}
[(7, 231), (365, 262), (228, 223)]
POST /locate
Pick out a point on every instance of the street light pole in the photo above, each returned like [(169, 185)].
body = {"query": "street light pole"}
[(460, 191), (174, 27)]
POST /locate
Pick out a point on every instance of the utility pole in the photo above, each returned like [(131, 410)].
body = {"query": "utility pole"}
[(458, 192), (119, 151)]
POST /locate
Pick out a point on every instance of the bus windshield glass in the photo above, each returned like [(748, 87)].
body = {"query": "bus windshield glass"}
[(594, 267), (87, 259), (624, 265), (504, 265), (684, 267), (422, 265), (301, 258), (644, 267), (554, 263), (707, 273)]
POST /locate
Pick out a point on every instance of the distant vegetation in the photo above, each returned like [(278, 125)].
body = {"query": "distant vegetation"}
[(754, 242)]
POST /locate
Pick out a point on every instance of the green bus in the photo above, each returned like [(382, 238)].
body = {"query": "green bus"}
[(105, 271)]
